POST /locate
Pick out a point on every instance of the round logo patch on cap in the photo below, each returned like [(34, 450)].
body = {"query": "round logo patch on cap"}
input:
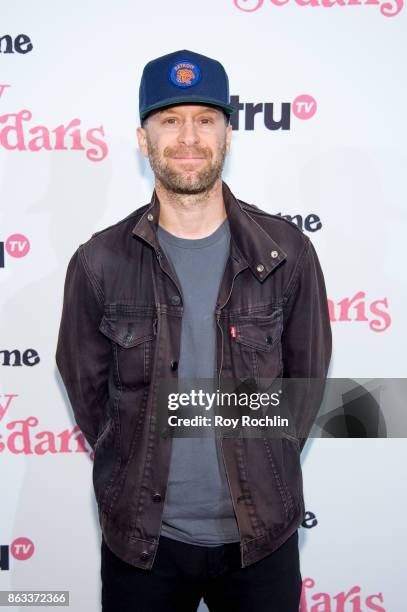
[(185, 74)]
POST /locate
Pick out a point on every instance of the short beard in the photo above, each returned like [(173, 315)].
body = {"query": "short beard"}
[(177, 182)]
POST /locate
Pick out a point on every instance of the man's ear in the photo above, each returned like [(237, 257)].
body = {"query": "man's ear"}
[(142, 140)]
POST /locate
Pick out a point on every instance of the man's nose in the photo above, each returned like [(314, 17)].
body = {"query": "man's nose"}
[(188, 133)]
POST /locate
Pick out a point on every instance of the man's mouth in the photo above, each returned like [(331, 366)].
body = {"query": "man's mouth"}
[(188, 160)]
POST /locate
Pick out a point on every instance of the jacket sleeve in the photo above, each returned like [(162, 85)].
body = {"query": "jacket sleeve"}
[(83, 353), (306, 341)]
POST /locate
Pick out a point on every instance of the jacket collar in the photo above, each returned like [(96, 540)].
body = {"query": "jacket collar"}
[(250, 243)]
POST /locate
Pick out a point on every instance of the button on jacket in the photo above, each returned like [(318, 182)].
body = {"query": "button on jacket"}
[(120, 335)]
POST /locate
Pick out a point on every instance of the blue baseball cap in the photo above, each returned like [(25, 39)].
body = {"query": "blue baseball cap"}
[(182, 77)]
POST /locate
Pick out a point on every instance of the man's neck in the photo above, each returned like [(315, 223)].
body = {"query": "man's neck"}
[(191, 215)]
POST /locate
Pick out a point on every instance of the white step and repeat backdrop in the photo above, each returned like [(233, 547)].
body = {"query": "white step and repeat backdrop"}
[(325, 146)]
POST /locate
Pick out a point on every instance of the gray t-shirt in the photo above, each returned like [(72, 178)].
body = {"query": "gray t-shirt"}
[(198, 508)]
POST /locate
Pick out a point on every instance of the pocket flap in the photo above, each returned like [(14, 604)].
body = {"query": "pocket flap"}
[(261, 333), (127, 332)]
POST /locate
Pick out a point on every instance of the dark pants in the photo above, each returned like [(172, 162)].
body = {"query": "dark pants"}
[(184, 573)]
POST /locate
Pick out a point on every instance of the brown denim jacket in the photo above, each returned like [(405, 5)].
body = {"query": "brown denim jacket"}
[(120, 335)]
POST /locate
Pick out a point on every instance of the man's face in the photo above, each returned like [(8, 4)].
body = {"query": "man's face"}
[(186, 145)]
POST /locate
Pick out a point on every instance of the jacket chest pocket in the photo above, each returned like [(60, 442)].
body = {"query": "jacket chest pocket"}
[(132, 341), (255, 342)]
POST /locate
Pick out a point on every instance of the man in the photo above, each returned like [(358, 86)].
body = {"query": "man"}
[(195, 284)]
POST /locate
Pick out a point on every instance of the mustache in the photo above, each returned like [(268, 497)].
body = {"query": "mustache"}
[(170, 152)]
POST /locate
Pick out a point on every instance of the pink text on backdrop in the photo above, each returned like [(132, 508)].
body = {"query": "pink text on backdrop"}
[(388, 8), (18, 135), (340, 602), (357, 309)]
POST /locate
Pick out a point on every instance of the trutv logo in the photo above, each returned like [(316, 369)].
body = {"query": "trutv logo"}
[(16, 245), (303, 107), (21, 549)]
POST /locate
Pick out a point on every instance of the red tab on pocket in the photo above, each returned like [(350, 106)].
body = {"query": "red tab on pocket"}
[(233, 332)]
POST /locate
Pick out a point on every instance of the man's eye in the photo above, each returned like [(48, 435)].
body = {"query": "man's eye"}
[(173, 120)]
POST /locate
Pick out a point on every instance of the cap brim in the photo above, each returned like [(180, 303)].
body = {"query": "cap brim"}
[(227, 108)]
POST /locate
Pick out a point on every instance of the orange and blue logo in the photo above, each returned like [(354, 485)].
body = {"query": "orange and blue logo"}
[(185, 74)]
